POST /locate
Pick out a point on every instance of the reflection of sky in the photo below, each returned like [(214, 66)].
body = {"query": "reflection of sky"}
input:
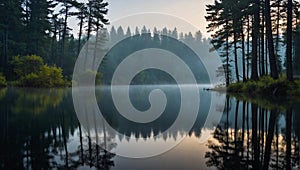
[(187, 155), (192, 11)]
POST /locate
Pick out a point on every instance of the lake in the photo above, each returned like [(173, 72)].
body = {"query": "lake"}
[(40, 129)]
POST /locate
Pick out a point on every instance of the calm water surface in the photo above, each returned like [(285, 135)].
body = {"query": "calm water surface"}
[(39, 129)]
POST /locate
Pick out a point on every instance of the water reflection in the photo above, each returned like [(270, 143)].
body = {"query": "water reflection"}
[(39, 129), (253, 137)]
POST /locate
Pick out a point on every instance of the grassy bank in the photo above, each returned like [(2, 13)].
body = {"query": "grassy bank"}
[(266, 86), (266, 92)]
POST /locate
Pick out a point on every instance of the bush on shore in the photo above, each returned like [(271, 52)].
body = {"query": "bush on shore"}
[(47, 77), (32, 72), (266, 86)]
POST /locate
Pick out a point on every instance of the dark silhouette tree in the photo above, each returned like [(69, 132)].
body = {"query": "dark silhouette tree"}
[(272, 58), (67, 5), (289, 41)]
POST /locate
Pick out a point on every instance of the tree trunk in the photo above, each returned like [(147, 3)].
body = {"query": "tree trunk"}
[(272, 58), (227, 57), (277, 34), (64, 36), (262, 38), (259, 54), (236, 57), (80, 34), (243, 55), (267, 55), (53, 45), (89, 29), (248, 45), (255, 31), (289, 42)]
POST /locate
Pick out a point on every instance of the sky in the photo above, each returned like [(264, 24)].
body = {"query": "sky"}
[(192, 11)]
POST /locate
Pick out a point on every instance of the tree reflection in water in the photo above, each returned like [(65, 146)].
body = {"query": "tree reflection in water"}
[(39, 129), (264, 138)]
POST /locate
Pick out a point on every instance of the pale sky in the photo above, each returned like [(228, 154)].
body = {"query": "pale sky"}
[(192, 11)]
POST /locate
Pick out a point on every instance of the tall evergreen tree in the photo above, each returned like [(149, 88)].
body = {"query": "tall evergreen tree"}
[(128, 32), (255, 34), (289, 41), (10, 26), (272, 58), (120, 32), (226, 20), (67, 5), (81, 14), (96, 11)]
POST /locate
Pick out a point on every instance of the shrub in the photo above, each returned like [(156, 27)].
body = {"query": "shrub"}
[(47, 77), (250, 87), (236, 87), (266, 86), (29, 80), (3, 82), (51, 76), (294, 88), (32, 72), (26, 65)]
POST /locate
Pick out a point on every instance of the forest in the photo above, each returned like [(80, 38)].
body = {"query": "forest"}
[(264, 34), (255, 39), (45, 50), (254, 124), (40, 29)]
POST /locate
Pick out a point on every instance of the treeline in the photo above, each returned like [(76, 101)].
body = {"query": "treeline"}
[(256, 31), (120, 33), (40, 27), (127, 42)]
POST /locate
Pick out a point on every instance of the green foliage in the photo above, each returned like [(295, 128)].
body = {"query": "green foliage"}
[(47, 77), (29, 80), (26, 65), (3, 82), (32, 72), (51, 76), (34, 27), (267, 86)]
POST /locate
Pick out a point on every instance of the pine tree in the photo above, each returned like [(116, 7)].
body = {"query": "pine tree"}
[(128, 32), (289, 41), (226, 19), (67, 6), (81, 14), (39, 27), (255, 34), (10, 25), (272, 58)]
